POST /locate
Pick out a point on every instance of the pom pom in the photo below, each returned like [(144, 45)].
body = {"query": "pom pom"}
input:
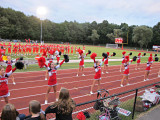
[(21, 58), (104, 55), (139, 54), (66, 57), (151, 54), (144, 54), (93, 56), (60, 53), (89, 52), (134, 58), (41, 62), (19, 65), (114, 54), (156, 58), (155, 54), (80, 52), (130, 53), (124, 52), (108, 53), (126, 58)]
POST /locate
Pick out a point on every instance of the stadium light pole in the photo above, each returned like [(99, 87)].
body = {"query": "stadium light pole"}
[(41, 12)]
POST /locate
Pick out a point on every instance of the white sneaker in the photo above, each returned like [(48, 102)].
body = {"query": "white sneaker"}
[(158, 75), (56, 99), (144, 80), (147, 79), (121, 85), (91, 92), (45, 102), (14, 83), (128, 84), (77, 75), (107, 72), (45, 78), (83, 74), (102, 72), (119, 70)]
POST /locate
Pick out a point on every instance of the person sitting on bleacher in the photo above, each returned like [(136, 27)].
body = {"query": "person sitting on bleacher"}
[(63, 107)]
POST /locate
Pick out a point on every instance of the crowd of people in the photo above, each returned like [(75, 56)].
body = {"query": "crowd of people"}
[(63, 109), (64, 105)]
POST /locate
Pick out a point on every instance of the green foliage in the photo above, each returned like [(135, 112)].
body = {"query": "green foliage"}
[(94, 36), (142, 35), (16, 25)]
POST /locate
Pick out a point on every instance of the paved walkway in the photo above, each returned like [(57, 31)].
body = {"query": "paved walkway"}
[(153, 114)]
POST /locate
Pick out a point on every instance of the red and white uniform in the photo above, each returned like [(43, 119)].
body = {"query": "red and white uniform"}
[(72, 50), (126, 67), (9, 65), (4, 91), (53, 75), (98, 71), (82, 60), (9, 47), (84, 49), (139, 59), (123, 59), (57, 56), (148, 68)]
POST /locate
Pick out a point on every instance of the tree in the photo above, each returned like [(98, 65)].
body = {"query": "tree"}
[(156, 34), (142, 35), (94, 36)]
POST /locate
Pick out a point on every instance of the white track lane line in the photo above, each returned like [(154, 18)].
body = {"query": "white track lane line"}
[(70, 82), (66, 77)]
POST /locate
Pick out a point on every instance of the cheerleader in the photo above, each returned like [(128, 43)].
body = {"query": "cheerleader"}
[(123, 60), (139, 60), (106, 63), (49, 61), (52, 82), (126, 71), (4, 92), (9, 66), (97, 77), (81, 64), (58, 56), (148, 68)]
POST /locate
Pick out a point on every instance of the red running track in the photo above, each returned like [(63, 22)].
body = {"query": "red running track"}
[(32, 86)]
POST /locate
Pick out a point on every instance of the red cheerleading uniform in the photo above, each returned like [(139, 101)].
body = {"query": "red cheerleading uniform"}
[(139, 59), (106, 61), (53, 75), (123, 59), (98, 72), (148, 68), (126, 71), (82, 60), (9, 47), (9, 65), (4, 91), (72, 50)]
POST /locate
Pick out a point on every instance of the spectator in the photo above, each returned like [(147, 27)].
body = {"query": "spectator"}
[(35, 111), (9, 113), (63, 107)]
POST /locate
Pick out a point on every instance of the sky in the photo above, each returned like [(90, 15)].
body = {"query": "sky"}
[(132, 12)]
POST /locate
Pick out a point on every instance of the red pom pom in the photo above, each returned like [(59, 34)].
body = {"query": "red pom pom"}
[(124, 52), (108, 53), (139, 54), (41, 62), (80, 52), (93, 55)]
